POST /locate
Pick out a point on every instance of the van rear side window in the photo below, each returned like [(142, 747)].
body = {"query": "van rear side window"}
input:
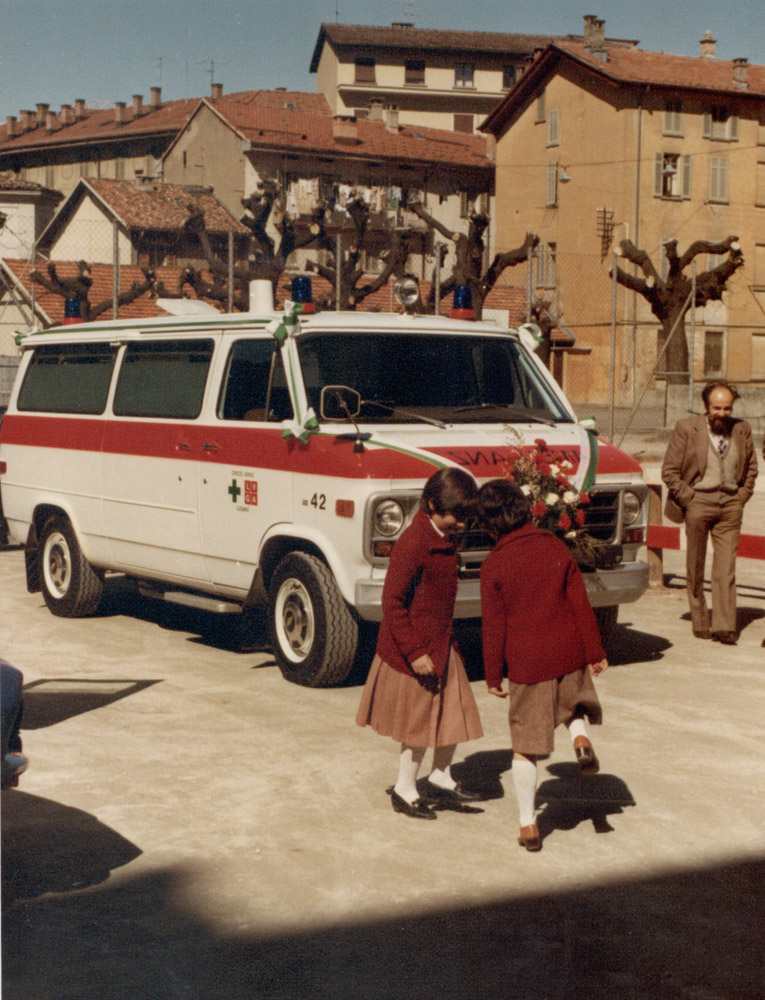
[(163, 379), (68, 378)]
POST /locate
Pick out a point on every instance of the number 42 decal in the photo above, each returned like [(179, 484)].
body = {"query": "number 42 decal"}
[(319, 501)]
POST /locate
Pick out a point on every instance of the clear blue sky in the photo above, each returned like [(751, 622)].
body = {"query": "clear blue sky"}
[(106, 51)]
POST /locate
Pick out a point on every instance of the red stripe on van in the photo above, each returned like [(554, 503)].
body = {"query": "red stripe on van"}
[(248, 447), (483, 462)]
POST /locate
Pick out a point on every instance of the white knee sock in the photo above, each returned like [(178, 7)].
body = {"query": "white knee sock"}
[(577, 727), (525, 781), (408, 766), (441, 774)]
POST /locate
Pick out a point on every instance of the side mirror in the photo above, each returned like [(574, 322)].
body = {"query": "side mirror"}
[(589, 424), (338, 402)]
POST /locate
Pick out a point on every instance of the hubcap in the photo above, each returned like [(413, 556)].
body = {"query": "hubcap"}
[(294, 620), (58, 567)]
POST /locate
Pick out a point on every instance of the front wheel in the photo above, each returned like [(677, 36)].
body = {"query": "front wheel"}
[(313, 634), (70, 585)]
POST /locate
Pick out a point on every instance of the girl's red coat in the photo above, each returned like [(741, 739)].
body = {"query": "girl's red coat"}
[(418, 598), (537, 620)]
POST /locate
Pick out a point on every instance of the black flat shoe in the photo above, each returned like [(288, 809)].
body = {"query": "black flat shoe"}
[(457, 794), (587, 761), (418, 809)]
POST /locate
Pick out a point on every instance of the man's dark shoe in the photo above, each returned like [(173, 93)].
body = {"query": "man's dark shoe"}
[(702, 633), (726, 638)]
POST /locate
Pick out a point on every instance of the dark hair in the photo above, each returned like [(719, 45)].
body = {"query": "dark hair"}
[(710, 387), (502, 507), (450, 490)]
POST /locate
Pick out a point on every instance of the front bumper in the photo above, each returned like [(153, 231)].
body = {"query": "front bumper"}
[(625, 583)]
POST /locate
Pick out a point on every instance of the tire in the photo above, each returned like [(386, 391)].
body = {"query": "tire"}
[(313, 634), (70, 585), (606, 618)]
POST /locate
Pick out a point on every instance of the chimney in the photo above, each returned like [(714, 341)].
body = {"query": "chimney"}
[(42, 111), (27, 120), (345, 129), (375, 111), (707, 44), (137, 105), (391, 118), (79, 109), (156, 98), (594, 35), (217, 91), (740, 73), (10, 123), (67, 115), (119, 113), (52, 123)]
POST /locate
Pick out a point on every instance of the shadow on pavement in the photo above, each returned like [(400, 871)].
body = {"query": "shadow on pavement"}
[(695, 934), (47, 702), (49, 847), (570, 798)]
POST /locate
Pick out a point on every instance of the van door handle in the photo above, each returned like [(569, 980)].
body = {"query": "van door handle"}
[(183, 446), (210, 447)]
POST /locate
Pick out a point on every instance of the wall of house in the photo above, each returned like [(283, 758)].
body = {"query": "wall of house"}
[(89, 235), (608, 146), (64, 176), (18, 233), (209, 154)]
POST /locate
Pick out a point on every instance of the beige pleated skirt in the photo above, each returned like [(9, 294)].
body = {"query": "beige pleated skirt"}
[(402, 707), (536, 710)]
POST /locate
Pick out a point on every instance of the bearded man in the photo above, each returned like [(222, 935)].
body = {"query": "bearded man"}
[(709, 470)]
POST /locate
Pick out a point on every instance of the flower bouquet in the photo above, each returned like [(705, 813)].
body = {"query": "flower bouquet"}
[(556, 504)]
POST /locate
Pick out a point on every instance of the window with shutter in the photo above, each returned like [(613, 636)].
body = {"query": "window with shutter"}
[(718, 178), (552, 128), (673, 118), (541, 111), (552, 183), (365, 71), (463, 75), (414, 71)]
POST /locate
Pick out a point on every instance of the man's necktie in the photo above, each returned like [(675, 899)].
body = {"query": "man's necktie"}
[(722, 446)]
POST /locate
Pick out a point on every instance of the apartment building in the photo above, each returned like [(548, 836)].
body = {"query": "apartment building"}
[(434, 77), (598, 143)]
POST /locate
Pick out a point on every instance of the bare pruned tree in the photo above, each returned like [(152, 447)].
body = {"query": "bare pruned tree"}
[(79, 286), (470, 250), (670, 297)]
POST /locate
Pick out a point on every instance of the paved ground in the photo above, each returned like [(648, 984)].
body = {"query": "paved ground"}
[(194, 827)]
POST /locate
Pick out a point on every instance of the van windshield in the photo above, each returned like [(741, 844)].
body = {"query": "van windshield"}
[(442, 377)]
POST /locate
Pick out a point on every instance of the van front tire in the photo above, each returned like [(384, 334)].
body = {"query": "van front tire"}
[(70, 585), (313, 634)]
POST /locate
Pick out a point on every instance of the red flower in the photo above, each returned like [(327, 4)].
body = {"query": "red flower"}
[(584, 498), (538, 509), (541, 444), (565, 522), (563, 481), (544, 468), (579, 516)]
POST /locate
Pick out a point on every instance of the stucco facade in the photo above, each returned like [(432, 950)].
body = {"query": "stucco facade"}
[(586, 159)]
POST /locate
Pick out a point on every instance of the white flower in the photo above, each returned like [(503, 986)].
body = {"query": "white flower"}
[(570, 497), (551, 499), (554, 470), (526, 490)]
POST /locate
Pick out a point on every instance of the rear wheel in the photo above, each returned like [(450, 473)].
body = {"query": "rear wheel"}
[(70, 585), (313, 634)]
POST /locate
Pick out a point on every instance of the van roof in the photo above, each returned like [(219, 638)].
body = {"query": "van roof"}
[(236, 322)]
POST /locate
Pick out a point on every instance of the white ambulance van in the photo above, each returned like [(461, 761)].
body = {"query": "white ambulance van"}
[(211, 456)]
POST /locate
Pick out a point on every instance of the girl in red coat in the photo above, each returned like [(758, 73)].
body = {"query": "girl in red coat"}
[(417, 691), (538, 626)]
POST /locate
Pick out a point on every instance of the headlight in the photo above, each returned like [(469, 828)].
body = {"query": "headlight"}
[(389, 518), (631, 508)]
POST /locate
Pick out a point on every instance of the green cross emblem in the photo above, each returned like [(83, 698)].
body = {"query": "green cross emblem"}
[(234, 491)]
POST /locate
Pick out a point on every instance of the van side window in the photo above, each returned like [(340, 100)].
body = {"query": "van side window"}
[(163, 379), (255, 387), (68, 378)]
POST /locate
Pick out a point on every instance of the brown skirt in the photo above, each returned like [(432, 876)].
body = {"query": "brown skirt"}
[(400, 706), (536, 709)]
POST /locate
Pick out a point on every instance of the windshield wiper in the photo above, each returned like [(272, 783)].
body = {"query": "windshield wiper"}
[(512, 411), (406, 413)]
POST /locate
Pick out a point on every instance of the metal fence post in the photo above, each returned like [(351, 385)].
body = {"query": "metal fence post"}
[(692, 337), (115, 270), (612, 400), (230, 271)]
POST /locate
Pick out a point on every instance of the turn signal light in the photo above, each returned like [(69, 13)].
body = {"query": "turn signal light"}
[(635, 535), (344, 508)]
